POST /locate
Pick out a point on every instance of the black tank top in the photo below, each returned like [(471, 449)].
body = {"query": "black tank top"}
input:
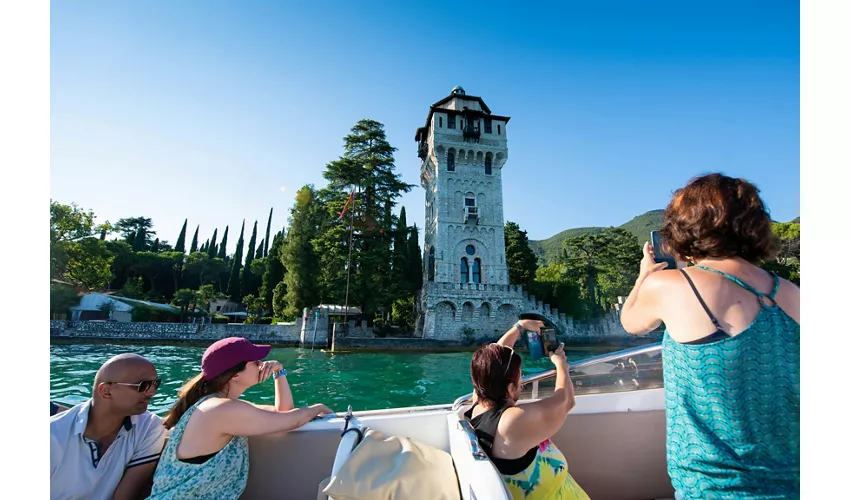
[(485, 426)]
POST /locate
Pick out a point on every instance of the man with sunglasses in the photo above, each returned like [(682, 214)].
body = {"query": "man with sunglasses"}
[(108, 447)]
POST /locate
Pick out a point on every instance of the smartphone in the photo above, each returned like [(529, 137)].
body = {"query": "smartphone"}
[(540, 344), (658, 248)]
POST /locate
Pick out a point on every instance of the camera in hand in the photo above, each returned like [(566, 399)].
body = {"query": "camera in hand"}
[(541, 344), (659, 250)]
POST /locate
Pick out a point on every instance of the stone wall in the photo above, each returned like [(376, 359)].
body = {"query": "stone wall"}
[(282, 334)]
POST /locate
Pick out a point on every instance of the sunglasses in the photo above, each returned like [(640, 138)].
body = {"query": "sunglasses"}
[(142, 386), (508, 366)]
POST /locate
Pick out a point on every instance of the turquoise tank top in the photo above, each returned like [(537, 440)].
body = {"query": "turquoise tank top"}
[(223, 476), (733, 408)]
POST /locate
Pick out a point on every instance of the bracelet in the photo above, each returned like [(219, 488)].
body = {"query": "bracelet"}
[(519, 327), (281, 373)]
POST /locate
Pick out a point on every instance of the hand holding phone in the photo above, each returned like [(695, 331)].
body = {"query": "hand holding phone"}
[(659, 252)]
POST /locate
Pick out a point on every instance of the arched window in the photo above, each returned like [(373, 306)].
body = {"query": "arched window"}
[(499, 129), (441, 122), (476, 271), (470, 200), (464, 270), (431, 264), (488, 164), (450, 161)]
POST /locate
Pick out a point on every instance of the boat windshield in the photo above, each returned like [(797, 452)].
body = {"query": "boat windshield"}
[(632, 369)]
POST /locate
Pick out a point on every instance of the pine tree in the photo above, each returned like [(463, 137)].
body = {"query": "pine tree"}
[(368, 164), (222, 250), (155, 246), (194, 247), (211, 249), (180, 246), (268, 234), (234, 288)]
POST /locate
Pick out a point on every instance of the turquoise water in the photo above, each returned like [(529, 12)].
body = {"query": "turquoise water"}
[(364, 380)]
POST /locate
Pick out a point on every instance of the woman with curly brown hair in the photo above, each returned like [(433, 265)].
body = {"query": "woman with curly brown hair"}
[(731, 349)]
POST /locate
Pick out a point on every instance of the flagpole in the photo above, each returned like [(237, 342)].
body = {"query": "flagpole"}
[(348, 270)]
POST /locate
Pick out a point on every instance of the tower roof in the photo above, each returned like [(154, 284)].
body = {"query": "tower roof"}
[(458, 93)]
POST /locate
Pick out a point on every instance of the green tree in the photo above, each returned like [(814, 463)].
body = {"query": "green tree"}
[(279, 301), (367, 163), (134, 288), (212, 249), (89, 263), (275, 272), (268, 233), (604, 264), (259, 253), (200, 269), (400, 258), (554, 286), (222, 250), (137, 231), (155, 246), (183, 298), (62, 299), (298, 256), (248, 281), (194, 247), (414, 253), (234, 288), (180, 246), (207, 294), (255, 307), (520, 258)]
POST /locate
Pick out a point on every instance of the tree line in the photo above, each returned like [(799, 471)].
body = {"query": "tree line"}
[(351, 219)]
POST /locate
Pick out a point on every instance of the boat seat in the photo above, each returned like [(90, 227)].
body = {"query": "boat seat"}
[(474, 473)]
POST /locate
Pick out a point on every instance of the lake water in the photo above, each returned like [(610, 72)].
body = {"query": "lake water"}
[(364, 380)]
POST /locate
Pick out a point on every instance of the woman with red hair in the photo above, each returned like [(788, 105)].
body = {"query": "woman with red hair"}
[(731, 348)]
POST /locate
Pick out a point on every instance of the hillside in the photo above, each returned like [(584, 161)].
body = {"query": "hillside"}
[(640, 226)]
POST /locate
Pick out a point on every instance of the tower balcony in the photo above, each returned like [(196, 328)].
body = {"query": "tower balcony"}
[(470, 212), (471, 132), (422, 152)]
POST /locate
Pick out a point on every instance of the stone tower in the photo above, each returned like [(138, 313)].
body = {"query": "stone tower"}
[(463, 147)]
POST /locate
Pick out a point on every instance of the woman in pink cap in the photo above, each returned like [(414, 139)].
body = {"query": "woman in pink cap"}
[(207, 453)]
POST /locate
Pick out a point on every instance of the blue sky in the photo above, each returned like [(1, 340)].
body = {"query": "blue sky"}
[(216, 111)]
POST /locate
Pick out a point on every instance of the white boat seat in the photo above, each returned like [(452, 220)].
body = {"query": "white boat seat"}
[(478, 477), (475, 474)]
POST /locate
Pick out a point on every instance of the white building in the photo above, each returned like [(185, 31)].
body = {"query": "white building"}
[(98, 306), (463, 147)]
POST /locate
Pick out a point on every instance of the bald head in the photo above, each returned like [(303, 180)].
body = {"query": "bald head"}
[(120, 367), (115, 384)]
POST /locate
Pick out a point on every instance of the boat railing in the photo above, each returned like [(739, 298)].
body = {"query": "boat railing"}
[(535, 378)]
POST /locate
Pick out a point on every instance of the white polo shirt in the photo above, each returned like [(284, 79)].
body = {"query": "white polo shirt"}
[(77, 469)]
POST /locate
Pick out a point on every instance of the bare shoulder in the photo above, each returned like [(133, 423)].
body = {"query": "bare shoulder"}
[(660, 281), (788, 298)]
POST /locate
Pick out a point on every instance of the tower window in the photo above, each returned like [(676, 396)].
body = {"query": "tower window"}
[(499, 129), (451, 121), (488, 164), (464, 270), (431, 264), (470, 250), (488, 126), (470, 200), (476, 271), (450, 161), (441, 122)]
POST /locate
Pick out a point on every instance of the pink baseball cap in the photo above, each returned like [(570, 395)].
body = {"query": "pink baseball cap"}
[(229, 352)]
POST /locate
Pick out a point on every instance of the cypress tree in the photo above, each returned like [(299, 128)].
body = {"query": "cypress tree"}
[(414, 254), (180, 246), (222, 250), (211, 249), (194, 247), (234, 288), (268, 234), (247, 274)]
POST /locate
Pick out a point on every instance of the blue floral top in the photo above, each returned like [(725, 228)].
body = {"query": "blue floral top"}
[(223, 476)]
